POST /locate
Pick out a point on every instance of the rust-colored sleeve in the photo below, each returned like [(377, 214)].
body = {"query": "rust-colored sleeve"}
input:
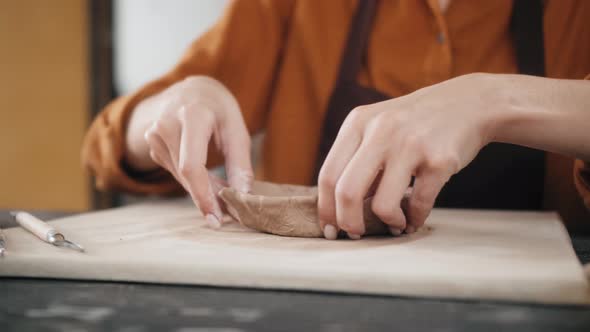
[(241, 51), (582, 179), (582, 176)]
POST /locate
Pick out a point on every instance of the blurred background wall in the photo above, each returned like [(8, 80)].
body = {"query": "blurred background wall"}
[(54, 69), (43, 104), (150, 36)]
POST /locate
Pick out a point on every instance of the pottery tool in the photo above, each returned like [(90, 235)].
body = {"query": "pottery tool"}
[(44, 231), (2, 243)]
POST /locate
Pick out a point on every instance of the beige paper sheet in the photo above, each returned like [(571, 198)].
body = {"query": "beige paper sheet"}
[(461, 254)]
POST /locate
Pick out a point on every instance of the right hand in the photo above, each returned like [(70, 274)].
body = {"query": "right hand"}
[(172, 130)]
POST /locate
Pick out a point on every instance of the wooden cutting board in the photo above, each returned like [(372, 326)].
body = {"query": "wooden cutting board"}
[(466, 254)]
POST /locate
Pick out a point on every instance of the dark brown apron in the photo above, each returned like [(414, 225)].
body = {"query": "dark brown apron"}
[(502, 176)]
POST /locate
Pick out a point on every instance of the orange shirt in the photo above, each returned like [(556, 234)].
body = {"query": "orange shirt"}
[(280, 59)]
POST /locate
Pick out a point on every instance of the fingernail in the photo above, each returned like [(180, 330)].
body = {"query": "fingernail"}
[(330, 232), (410, 229), (395, 231), (354, 236), (242, 187), (245, 188), (212, 221), (241, 180)]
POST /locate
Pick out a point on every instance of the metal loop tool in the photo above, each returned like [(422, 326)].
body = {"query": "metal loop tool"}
[(2, 243), (44, 231)]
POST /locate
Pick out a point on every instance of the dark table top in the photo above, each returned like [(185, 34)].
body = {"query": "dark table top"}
[(58, 305)]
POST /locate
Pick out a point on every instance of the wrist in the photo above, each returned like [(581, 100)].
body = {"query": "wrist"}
[(516, 109)]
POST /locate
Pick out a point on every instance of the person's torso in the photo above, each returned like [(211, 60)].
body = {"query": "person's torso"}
[(412, 45)]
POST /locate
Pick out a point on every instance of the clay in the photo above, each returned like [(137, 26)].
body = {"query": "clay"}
[(286, 210)]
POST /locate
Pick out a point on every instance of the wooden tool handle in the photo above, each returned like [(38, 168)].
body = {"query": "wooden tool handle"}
[(34, 225)]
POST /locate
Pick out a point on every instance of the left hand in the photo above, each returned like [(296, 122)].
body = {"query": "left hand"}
[(430, 134)]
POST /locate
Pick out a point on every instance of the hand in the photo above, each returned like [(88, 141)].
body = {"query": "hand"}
[(173, 128), (430, 134)]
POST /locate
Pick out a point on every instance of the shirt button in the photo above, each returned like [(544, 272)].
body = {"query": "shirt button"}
[(440, 38)]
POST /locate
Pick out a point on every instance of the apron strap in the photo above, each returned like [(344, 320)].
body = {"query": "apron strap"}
[(357, 40), (526, 26)]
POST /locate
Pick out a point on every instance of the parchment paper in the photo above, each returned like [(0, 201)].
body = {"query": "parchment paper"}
[(515, 256)]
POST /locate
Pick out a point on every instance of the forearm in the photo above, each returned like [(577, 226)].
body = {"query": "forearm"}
[(546, 114)]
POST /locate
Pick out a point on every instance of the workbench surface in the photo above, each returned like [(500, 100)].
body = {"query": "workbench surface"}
[(57, 305)]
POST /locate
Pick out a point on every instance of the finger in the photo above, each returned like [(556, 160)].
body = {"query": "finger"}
[(427, 186), (373, 188), (340, 154), (217, 183), (234, 142), (394, 183), (164, 140), (169, 133), (168, 166), (160, 155), (194, 142), (353, 185)]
